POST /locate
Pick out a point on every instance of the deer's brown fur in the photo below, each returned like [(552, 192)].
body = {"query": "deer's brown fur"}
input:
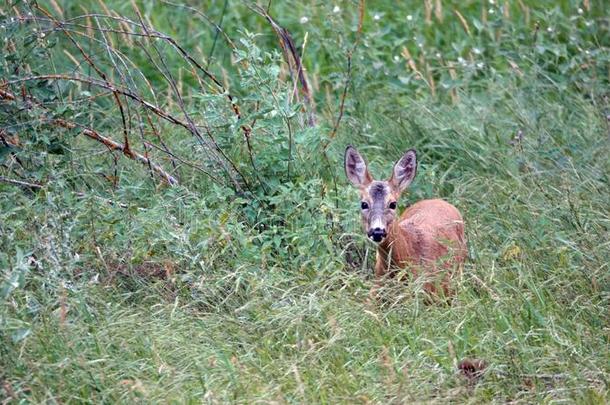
[(427, 239)]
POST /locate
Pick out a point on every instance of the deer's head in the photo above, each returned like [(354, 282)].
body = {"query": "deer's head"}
[(378, 197)]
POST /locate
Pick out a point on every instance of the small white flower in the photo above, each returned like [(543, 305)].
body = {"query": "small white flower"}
[(480, 65), (30, 13), (304, 20), (396, 58), (376, 17), (587, 52), (550, 29), (461, 60), (580, 11), (476, 51), (42, 35), (438, 55), (491, 11), (588, 23), (492, 1), (336, 9), (34, 30), (409, 17)]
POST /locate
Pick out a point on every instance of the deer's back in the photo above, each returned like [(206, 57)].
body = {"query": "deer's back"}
[(429, 230)]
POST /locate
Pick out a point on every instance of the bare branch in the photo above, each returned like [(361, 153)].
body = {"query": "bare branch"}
[(113, 145), (295, 65), (20, 183), (146, 32), (109, 143)]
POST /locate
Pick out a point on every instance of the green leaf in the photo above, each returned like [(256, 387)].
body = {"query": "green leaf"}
[(5, 150), (20, 334)]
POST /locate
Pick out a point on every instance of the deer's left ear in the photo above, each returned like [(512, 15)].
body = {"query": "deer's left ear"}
[(404, 170)]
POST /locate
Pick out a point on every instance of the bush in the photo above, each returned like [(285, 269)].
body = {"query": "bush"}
[(175, 225)]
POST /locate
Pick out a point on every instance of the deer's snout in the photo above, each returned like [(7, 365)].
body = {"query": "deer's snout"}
[(377, 234)]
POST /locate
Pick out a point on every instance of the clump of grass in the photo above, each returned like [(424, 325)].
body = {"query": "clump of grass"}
[(116, 288)]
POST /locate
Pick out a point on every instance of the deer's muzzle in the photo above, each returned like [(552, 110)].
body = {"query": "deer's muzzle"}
[(377, 234)]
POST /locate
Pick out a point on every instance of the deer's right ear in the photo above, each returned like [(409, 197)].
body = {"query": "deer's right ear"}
[(355, 168)]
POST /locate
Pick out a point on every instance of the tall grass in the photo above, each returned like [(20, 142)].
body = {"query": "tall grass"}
[(247, 279)]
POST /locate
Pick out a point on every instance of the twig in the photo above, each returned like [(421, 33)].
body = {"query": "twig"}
[(95, 67), (217, 27), (117, 69), (109, 143), (333, 133), (108, 86), (291, 54), (348, 74), (191, 125), (251, 153), (342, 104), (184, 162), (150, 33), (222, 16), (113, 145), (20, 183)]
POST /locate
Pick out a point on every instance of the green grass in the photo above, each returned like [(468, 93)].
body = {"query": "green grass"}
[(201, 293)]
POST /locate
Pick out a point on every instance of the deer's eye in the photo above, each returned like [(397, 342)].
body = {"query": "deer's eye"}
[(364, 205), (392, 205)]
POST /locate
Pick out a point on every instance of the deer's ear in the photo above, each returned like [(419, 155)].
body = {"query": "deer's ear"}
[(355, 168), (404, 170)]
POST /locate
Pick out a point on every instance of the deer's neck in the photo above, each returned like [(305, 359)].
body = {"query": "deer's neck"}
[(397, 247)]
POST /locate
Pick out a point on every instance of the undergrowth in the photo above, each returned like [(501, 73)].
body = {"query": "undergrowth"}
[(175, 225)]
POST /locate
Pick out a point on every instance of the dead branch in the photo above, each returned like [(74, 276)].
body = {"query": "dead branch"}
[(348, 72), (295, 65), (113, 145), (20, 183), (348, 80), (95, 67), (109, 143), (108, 86), (192, 127), (217, 27), (116, 90)]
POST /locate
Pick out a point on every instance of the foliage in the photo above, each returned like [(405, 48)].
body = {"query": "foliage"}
[(174, 229)]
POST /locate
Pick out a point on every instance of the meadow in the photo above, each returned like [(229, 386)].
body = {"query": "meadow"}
[(176, 226)]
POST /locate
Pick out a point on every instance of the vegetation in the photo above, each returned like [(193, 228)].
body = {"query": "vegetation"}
[(175, 225)]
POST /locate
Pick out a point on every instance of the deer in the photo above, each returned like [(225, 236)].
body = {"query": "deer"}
[(426, 240)]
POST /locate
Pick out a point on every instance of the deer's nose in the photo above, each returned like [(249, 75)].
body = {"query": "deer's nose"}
[(377, 234)]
